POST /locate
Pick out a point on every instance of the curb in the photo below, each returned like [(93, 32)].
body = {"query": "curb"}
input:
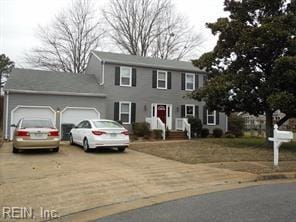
[(277, 176)]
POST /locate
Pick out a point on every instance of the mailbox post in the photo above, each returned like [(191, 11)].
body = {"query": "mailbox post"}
[(279, 137)]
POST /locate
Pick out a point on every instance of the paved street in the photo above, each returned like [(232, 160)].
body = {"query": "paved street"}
[(72, 181), (266, 203)]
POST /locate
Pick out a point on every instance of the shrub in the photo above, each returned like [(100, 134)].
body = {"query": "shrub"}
[(141, 129), (229, 135), (167, 132), (205, 132), (157, 134), (236, 125), (196, 126), (217, 133)]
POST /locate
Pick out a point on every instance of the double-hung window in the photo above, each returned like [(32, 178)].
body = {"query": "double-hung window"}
[(189, 110), (162, 80), (211, 117), (190, 81), (125, 112), (125, 76)]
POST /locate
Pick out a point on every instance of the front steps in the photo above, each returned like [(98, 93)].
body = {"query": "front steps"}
[(176, 135)]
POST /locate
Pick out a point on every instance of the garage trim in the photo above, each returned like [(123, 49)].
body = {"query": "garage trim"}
[(24, 106), (81, 108)]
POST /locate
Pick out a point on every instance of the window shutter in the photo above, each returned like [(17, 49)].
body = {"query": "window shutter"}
[(169, 80), (154, 79), (196, 81), (182, 81), (116, 111), (197, 112), (117, 76), (217, 118), (133, 113), (134, 77), (182, 111), (205, 115)]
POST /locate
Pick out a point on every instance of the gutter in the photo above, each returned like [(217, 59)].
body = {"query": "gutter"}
[(55, 93)]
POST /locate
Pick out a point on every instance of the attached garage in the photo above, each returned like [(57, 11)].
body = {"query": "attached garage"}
[(31, 112), (65, 98)]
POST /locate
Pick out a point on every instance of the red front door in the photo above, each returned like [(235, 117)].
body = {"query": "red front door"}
[(161, 113)]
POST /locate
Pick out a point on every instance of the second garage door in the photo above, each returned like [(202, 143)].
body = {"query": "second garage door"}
[(74, 115)]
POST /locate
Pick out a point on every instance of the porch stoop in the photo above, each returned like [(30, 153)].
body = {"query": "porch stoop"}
[(177, 135)]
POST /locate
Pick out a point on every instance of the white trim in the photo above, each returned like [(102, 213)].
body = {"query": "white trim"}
[(130, 111), (187, 105), (55, 93), (81, 108), (214, 114), (169, 118), (103, 68), (186, 75), (166, 79), (130, 76), (96, 56), (25, 106), (6, 115)]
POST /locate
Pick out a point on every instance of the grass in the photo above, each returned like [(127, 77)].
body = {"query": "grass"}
[(249, 142), (215, 150)]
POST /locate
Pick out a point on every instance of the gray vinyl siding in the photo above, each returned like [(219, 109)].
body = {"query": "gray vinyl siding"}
[(144, 95), (94, 67), (55, 102)]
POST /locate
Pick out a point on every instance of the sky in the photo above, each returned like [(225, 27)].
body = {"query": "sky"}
[(19, 20)]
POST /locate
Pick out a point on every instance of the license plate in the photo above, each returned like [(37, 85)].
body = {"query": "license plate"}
[(113, 134), (38, 136)]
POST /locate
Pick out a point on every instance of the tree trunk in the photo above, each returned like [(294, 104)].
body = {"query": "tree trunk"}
[(269, 125)]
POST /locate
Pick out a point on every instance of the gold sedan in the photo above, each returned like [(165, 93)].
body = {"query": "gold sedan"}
[(35, 134)]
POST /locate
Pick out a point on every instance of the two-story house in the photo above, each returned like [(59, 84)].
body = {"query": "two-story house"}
[(115, 86)]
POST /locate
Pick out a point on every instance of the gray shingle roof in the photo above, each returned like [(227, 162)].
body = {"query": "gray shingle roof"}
[(48, 81), (117, 58)]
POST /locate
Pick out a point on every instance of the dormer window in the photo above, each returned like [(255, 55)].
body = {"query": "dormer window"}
[(125, 76)]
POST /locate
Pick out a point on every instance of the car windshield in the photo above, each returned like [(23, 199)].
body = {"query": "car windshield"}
[(40, 123), (106, 124)]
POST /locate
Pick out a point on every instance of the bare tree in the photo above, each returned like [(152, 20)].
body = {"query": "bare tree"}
[(150, 28), (67, 42)]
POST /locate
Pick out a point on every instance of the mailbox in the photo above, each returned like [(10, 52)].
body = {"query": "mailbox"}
[(283, 135), (279, 137)]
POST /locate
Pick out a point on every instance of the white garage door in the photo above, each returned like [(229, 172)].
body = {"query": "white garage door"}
[(31, 112), (74, 115)]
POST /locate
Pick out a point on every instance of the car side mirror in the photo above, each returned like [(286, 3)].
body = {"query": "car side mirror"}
[(75, 127), (13, 125)]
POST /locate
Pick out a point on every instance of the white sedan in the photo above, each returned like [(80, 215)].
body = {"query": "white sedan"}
[(92, 134)]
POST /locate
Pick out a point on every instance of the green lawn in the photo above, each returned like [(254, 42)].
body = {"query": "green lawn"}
[(248, 142)]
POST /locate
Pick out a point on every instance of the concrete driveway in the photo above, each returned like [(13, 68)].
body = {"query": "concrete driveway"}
[(73, 181)]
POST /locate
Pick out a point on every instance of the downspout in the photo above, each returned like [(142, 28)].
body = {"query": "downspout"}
[(103, 74), (226, 125), (6, 114)]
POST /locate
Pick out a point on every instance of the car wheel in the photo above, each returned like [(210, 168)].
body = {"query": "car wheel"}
[(15, 150), (71, 140), (85, 145), (121, 149), (56, 149)]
